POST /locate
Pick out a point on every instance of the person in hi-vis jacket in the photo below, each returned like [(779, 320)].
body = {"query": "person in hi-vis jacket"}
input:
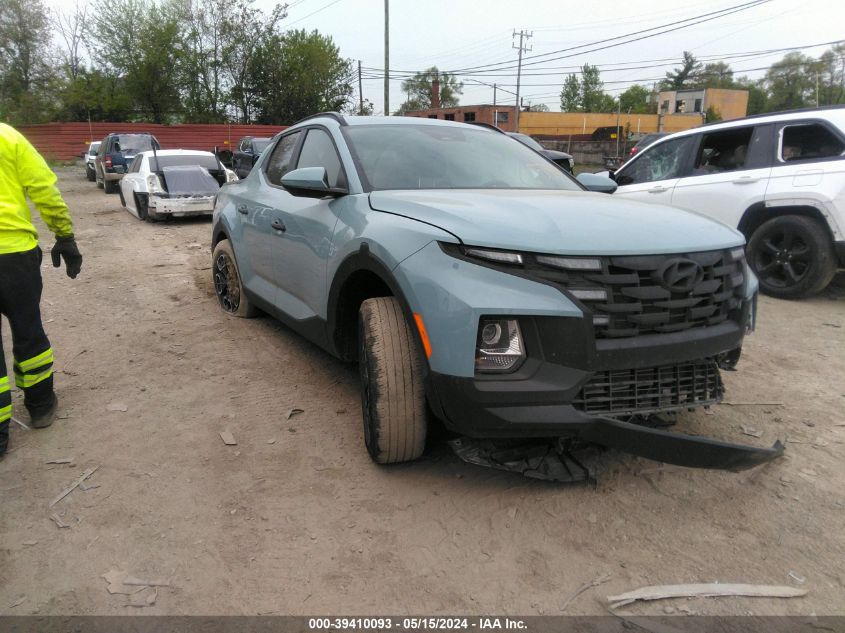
[(24, 174)]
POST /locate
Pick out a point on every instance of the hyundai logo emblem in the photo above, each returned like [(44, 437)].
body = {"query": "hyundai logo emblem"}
[(679, 275)]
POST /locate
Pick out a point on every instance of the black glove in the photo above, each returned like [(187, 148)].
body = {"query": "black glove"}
[(66, 247)]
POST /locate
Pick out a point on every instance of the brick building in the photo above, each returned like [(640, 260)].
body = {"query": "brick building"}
[(729, 104), (502, 116)]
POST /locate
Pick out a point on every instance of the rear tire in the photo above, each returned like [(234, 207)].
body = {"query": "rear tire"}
[(392, 395), (792, 256), (142, 204), (111, 186), (90, 174), (227, 282)]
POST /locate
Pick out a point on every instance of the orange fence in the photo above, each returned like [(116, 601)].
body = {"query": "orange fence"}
[(63, 141)]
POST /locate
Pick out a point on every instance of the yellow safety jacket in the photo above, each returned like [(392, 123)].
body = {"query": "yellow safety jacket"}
[(23, 172)]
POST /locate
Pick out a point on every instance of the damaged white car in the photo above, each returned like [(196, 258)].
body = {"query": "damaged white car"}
[(173, 183)]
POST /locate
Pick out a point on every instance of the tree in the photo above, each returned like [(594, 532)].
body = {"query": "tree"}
[(298, 74), (831, 76), (71, 26), (757, 96), (203, 79), (635, 100), (24, 55), (96, 95), (570, 95), (246, 30), (789, 83), (418, 89), (682, 77), (714, 75)]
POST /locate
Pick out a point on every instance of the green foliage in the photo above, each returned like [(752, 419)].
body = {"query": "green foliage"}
[(635, 100), (570, 95), (714, 75), (298, 74), (24, 72), (790, 83), (537, 107), (418, 90), (586, 94), (712, 115), (683, 77)]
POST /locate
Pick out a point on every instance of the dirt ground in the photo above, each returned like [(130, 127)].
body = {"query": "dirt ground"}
[(295, 519)]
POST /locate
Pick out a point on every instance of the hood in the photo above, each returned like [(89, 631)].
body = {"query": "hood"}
[(562, 222)]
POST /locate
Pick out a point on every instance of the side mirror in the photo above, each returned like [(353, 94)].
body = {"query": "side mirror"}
[(310, 182), (597, 183)]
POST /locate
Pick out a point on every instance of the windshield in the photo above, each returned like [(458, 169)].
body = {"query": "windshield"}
[(260, 144), (527, 140), (445, 157), (209, 162), (131, 144)]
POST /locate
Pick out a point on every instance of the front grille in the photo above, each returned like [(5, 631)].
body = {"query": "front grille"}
[(653, 389), (628, 297)]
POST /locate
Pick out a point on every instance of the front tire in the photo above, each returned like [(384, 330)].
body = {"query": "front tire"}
[(227, 282), (90, 174), (392, 395), (792, 256)]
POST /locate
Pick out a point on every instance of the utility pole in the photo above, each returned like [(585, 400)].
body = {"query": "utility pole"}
[(360, 92), (523, 35), (386, 57), (495, 111)]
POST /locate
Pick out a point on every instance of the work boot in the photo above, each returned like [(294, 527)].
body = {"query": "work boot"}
[(4, 440), (43, 416)]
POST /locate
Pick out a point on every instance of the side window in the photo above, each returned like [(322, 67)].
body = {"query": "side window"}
[(244, 145), (318, 151), (279, 162), (809, 141), (726, 150), (658, 162)]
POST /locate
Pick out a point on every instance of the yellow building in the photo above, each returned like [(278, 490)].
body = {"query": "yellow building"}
[(728, 104), (579, 123)]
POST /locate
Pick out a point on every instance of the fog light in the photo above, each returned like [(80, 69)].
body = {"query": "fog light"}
[(499, 347)]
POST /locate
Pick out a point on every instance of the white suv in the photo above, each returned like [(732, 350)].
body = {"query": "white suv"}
[(778, 178)]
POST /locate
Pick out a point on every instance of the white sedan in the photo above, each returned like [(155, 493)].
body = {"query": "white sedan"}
[(173, 182)]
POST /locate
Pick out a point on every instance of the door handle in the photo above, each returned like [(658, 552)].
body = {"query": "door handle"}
[(278, 225), (658, 189), (242, 208), (745, 180)]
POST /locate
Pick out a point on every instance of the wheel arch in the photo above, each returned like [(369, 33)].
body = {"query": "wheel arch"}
[(359, 277), (759, 213)]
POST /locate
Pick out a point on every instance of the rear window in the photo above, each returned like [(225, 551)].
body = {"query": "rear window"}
[(160, 162), (259, 145), (133, 143), (809, 141)]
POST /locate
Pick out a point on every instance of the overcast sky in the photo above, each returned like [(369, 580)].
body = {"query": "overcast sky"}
[(458, 34)]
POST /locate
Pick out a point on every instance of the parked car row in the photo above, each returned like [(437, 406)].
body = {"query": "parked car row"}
[(154, 183)]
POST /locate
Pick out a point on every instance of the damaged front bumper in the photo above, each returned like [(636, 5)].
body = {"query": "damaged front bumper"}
[(555, 461), (182, 206)]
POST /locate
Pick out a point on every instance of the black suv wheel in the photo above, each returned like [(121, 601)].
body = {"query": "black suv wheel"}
[(793, 257)]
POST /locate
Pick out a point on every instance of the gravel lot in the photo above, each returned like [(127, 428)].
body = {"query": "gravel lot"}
[(295, 519)]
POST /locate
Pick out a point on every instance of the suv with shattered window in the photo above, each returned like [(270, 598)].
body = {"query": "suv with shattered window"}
[(469, 276), (779, 178)]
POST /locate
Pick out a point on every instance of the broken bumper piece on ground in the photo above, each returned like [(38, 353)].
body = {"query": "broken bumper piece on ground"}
[(544, 459)]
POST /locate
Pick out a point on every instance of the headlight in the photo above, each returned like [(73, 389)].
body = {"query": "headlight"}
[(231, 176), (499, 346)]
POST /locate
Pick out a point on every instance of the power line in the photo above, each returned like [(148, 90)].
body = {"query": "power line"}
[(305, 17)]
